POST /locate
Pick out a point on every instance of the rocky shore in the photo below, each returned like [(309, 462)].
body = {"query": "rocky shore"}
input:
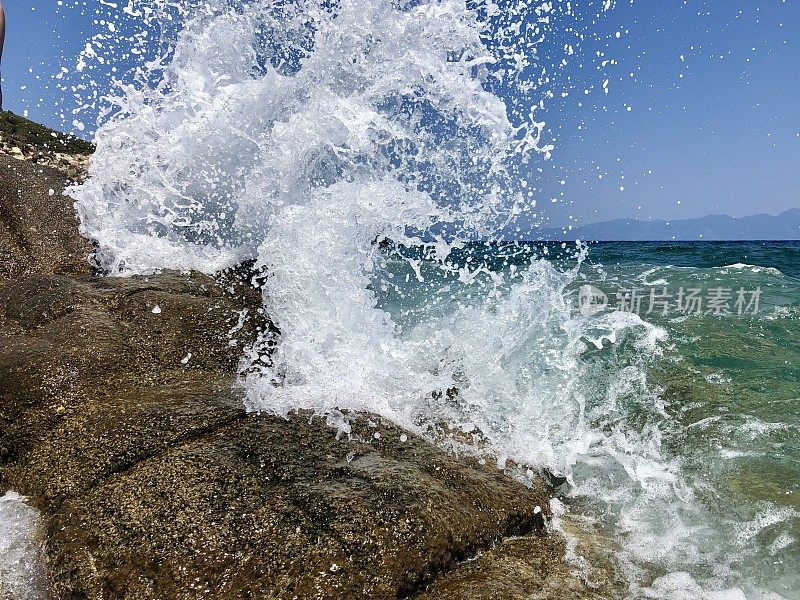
[(25, 140), (122, 424)]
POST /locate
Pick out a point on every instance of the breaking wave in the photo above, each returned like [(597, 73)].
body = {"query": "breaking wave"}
[(357, 150)]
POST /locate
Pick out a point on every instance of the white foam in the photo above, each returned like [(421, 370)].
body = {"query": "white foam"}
[(754, 269), (717, 378), (781, 312), (657, 282), (22, 570), (767, 518), (682, 585)]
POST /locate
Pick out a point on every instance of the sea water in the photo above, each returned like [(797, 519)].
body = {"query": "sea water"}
[(675, 422), (372, 157)]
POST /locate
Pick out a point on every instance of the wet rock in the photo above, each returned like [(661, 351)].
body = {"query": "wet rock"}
[(532, 568), (121, 421), (66, 342), (38, 225), (262, 507), (153, 482)]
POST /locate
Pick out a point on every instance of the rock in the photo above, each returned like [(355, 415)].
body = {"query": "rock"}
[(153, 481), (121, 421), (265, 508), (532, 568), (67, 342), (29, 141), (38, 225)]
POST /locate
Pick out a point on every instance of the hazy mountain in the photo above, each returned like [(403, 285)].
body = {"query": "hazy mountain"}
[(785, 226)]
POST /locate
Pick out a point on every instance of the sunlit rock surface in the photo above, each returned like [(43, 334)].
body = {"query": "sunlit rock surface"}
[(120, 421), (38, 226), (154, 481)]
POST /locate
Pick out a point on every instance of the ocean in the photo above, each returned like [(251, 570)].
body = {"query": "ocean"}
[(678, 405), (352, 150)]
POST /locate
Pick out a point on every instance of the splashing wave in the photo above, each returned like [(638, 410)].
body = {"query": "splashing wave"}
[(309, 136)]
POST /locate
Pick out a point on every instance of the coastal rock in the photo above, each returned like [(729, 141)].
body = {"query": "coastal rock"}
[(66, 343), (25, 140), (153, 481), (38, 226), (266, 508), (534, 568), (122, 423)]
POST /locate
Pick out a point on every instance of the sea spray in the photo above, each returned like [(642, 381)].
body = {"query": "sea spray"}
[(23, 575), (329, 128), (357, 149), (219, 146)]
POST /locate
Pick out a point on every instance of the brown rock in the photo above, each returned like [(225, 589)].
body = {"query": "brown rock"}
[(266, 508), (153, 482), (532, 568), (38, 224), (66, 342)]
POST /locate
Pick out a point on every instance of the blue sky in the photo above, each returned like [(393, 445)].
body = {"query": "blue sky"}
[(701, 114), (714, 124), (36, 39)]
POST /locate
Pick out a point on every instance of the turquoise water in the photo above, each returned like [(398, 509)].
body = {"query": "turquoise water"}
[(719, 411), (732, 385)]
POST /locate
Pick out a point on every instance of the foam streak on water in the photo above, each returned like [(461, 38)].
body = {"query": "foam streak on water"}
[(329, 127)]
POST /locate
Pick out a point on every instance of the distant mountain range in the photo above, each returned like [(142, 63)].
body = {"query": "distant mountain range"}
[(785, 226)]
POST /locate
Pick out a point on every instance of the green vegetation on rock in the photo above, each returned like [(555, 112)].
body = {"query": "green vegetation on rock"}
[(27, 135)]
